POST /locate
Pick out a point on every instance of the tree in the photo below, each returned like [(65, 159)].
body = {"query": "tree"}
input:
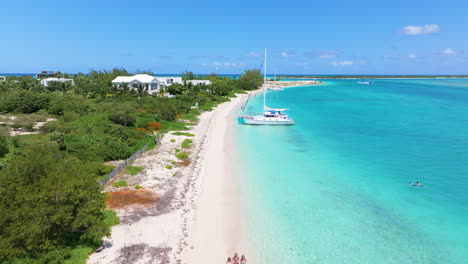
[(122, 119), (250, 79), (188, 75), (3, 146), (176, 88), (49, 202)]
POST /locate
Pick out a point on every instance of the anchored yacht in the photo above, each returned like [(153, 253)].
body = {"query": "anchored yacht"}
[(270, 116)]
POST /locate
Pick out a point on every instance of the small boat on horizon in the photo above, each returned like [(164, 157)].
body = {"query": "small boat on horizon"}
[(270, 116), (364, 82)]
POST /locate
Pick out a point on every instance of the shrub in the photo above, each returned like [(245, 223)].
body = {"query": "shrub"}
[(154, 126), (115, 149), (52, 126), (120, 183), (177, 150), (174, 126), (189, 117), (173, 162), (57, 137), (183, 134), (138, 187), (172, 140), (110, 218), (3, 146), (142, 130), (169, 167), (182, 155), (122, 119), (186, 143), (133, 170)]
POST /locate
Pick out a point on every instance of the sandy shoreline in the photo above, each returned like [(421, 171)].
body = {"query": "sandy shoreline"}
[(195, 219)]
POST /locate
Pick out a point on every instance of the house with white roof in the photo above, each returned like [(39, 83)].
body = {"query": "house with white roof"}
[(2, 78), (150, 83), (47, 81)]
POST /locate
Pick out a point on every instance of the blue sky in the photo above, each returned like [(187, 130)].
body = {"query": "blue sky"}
[(303, 37)]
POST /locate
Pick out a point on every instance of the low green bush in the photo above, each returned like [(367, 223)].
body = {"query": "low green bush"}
[(189, 117), (172, 140), (138, 187), (133, 170), (120, 183), (182, 155), (183, 134), (169, 167), (186, 143), (122, 119)]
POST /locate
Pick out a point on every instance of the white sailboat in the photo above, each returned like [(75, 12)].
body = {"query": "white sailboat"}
[(270, 116)]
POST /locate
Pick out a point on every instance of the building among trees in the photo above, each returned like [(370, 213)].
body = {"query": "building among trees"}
[(47, 81), (151, 84)]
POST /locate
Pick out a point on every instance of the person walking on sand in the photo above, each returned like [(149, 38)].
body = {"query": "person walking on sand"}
[(236, 258), (243, 260), (228, 260)]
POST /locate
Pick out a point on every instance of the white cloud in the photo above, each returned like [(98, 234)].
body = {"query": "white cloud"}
[(288, 54), (412, 56), (225, 64), (341, 63), (328, 54), (421, 30), (325, 54), (252, 54), (449, 52)]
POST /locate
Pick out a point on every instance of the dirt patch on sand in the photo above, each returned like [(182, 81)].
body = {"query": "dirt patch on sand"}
[(124, 198)]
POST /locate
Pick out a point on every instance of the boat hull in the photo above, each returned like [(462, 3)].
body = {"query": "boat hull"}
[(244, 121)]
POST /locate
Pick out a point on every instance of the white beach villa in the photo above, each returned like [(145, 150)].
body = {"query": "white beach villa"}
[(47, 81), (2, 78), (151, 83)]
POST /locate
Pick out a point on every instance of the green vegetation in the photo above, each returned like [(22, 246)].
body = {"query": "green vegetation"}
[(133, 170), (173, 162), (182, 155), (51, 204), (43, 216), (173, 140), (186, 143), (177, 150), (119, 184), (138, 187), (189, 117), (169, 167), (183, 134)]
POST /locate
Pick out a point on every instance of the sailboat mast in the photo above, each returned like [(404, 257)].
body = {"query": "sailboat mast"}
[(264, 80)]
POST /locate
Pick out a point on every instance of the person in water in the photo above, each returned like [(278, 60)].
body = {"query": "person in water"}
[(418, 184), (236, 258), (243, 260), (228, 260)]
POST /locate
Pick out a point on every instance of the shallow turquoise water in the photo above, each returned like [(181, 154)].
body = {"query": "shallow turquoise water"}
[(334, 188)]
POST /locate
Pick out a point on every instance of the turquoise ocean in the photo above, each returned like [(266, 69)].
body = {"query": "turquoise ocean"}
[(334, 187)]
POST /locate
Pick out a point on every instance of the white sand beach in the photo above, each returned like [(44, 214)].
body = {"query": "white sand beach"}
[(194, 218)]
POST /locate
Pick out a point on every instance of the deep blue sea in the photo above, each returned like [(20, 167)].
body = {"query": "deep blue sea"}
[(334, 188)]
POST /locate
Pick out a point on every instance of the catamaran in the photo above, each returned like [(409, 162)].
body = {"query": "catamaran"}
[(270, 116)]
